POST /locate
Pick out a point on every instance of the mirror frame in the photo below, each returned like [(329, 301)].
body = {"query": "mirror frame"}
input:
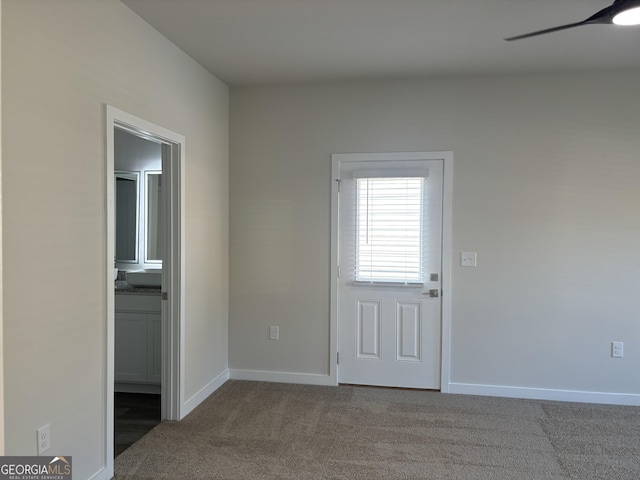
[(128, 175), (147, 177)]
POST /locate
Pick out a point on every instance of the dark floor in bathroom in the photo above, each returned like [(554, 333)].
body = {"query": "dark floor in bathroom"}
[(135, 414)]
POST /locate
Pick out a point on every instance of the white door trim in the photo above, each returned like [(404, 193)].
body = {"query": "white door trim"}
[(173, 390), (447, 158)]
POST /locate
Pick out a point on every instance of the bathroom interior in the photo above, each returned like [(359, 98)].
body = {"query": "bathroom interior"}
[(137, 283)]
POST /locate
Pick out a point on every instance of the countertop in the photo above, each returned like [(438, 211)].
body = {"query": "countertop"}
[(123, 288)]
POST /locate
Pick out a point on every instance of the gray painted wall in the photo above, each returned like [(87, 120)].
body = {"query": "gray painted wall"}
[(545, 189), (61, 62)]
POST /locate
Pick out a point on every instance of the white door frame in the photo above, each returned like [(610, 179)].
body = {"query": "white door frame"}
[(447, 158), (173, 165)]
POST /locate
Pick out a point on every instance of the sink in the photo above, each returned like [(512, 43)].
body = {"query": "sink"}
[(145, 278)]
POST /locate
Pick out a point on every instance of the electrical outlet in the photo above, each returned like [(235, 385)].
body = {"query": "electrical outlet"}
[(617, 349), (274, 332), (468, 259), (44, 438)]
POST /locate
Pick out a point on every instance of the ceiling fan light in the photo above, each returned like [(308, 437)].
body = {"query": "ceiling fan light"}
[(628, 17)]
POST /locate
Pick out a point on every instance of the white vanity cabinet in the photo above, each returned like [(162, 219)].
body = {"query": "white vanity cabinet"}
[(138, 343)]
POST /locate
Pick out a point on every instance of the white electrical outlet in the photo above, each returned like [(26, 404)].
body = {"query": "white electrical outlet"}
[(617, 349), (468, 259), (44, 438), (274, 332)]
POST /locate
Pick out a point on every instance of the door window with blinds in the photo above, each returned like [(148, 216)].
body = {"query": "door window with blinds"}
[(388, 231)]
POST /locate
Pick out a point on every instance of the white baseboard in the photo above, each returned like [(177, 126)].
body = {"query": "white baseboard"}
[(545, 394), (102, 474), (282, 377), (529, 393), (198, 398)]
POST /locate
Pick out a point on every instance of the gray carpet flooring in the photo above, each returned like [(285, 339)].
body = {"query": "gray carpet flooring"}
[(254, 430)]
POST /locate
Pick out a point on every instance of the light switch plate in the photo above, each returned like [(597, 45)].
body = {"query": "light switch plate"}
[(468, 259)]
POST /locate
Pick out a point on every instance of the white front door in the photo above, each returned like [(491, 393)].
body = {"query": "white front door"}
[(390, 271)]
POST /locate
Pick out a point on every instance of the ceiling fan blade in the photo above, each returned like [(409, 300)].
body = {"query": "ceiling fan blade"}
[(547, 30), (603, 16)]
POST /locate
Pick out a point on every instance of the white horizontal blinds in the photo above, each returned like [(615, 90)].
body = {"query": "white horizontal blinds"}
[(389, 229)]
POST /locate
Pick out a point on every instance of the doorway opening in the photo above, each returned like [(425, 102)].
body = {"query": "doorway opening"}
[(144, 338), (139, 226)]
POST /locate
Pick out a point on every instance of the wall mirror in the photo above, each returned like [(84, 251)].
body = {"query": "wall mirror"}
[(153, 222), (127, 212)]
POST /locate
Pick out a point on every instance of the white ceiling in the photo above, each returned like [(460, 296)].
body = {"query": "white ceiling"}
[(273, 41)]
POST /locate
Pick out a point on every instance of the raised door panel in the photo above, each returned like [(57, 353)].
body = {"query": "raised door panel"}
[(130, 347), (368, 330), (408, 334)]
